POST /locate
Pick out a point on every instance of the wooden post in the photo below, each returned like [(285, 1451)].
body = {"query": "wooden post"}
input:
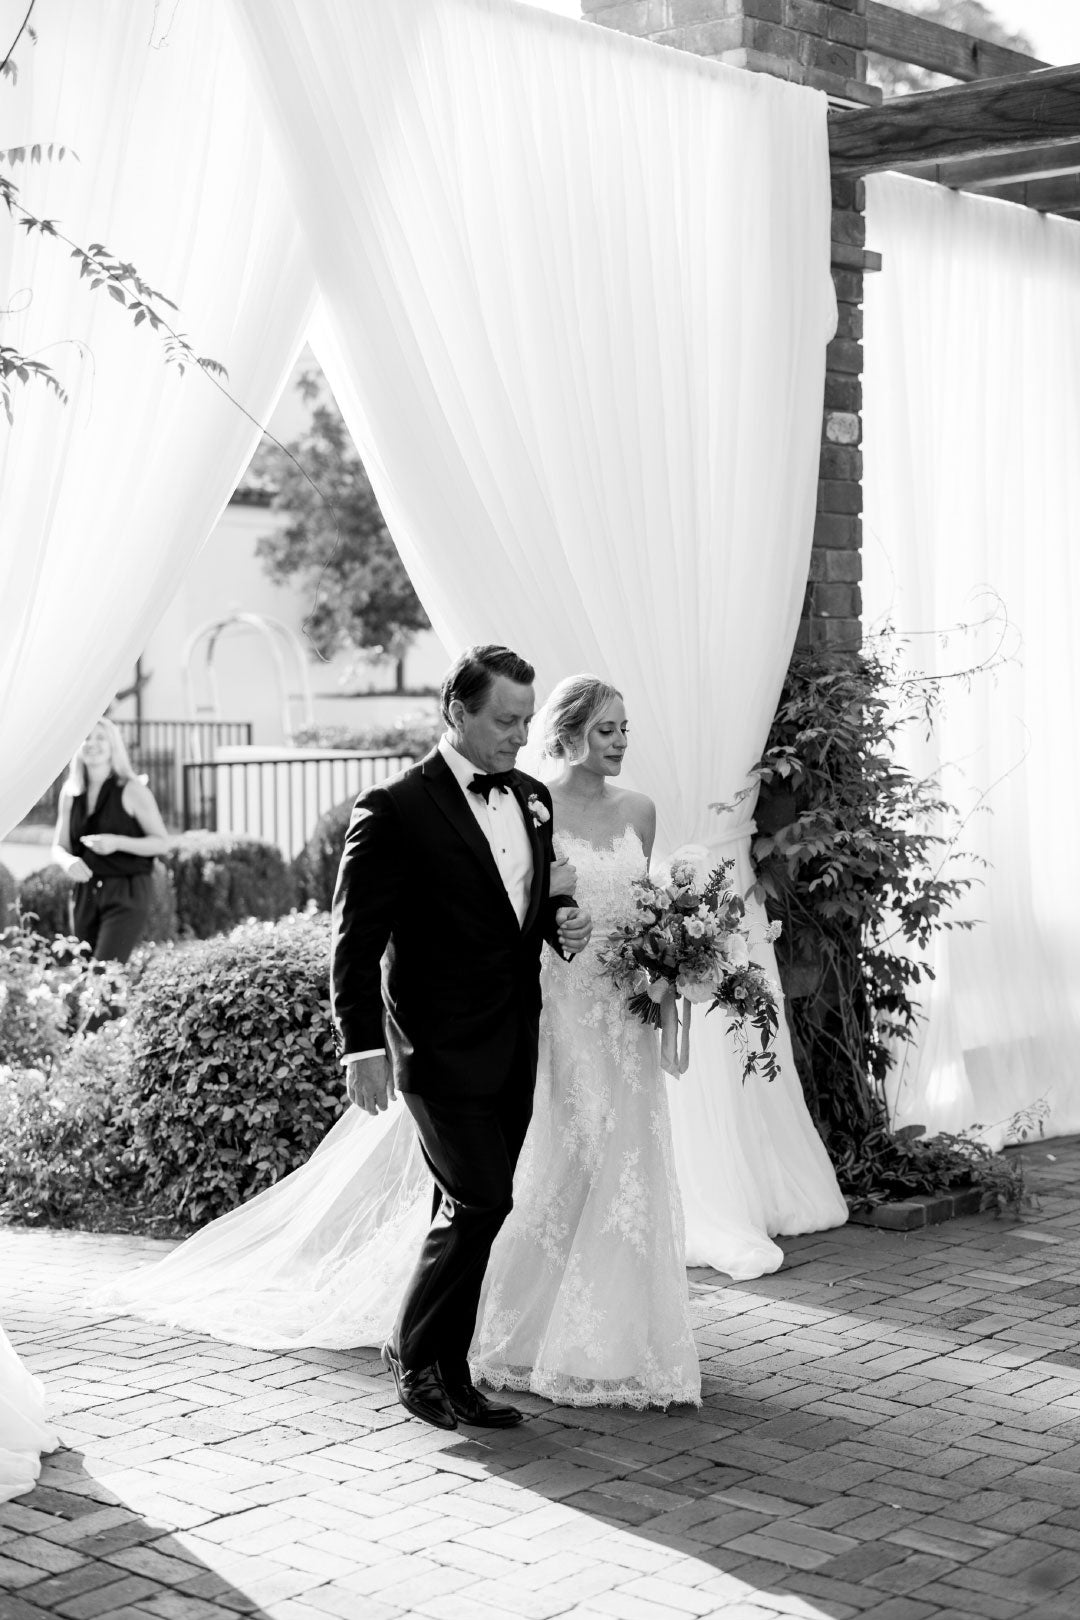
[(821, 43)]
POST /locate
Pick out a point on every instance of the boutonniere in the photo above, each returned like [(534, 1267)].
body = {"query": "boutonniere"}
[(538, 810)]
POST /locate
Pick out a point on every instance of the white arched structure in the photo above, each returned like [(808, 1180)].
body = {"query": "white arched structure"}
[(285, 649)]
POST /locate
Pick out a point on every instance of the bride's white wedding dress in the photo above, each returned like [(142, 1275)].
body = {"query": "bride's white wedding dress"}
[(586, 1298), (24, 1434)]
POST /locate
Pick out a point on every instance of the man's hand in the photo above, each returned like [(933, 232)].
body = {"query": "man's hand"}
[(78, 871), (563, 876), (575, 929), (369, 1082)]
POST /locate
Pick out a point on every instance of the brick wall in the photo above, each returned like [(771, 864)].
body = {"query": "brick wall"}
[(820, 43)]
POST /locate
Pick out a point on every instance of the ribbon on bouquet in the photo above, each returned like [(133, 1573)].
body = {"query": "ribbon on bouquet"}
[(674, 1043)]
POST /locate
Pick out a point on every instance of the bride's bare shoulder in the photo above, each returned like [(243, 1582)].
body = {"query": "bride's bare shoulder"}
[(639, 812)]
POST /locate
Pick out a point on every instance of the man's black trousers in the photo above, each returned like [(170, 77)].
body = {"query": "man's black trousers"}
[(471, 1146)]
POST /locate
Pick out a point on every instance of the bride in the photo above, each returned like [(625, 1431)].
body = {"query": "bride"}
[(586, 1299)]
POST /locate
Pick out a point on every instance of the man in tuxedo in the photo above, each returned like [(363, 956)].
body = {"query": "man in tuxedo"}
[(442, 902)]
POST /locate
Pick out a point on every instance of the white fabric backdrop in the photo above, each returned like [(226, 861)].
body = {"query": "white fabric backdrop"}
[(577, 297), (105, 502), (973, 483)]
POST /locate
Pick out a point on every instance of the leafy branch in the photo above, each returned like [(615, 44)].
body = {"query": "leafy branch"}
[(121, 281)]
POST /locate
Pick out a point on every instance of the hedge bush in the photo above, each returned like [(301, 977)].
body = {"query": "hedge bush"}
[(34, 1011), (66, 1134), (235, 1079), (316, 866), (162, 924), (9, 894), (219, 881), (411, 735), (50, 991), (45, 895)]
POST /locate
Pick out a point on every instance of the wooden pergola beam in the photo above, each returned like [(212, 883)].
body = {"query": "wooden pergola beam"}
[(906, 38), (991, 115), (1001, 168)]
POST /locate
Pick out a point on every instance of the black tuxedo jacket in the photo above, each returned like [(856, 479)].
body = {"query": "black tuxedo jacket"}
[(429, 960)]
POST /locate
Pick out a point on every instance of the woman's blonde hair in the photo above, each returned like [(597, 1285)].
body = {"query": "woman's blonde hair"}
[(570, 713), (119, 763)]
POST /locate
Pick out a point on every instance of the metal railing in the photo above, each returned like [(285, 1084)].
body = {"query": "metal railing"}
[(279, 798), (159, 749)]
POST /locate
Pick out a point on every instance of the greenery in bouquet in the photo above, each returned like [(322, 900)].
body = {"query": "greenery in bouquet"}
[(689, 940)]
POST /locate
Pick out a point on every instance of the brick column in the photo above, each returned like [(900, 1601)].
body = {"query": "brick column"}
[(820, 43)]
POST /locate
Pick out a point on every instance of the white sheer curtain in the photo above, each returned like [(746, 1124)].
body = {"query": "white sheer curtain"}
[(577, 297), (973, 486), (104, 502)]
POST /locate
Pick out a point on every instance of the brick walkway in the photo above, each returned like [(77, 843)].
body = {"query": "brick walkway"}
[(891, 1429)]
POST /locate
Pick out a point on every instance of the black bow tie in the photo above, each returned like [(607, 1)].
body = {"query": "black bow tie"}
[(485, 784)]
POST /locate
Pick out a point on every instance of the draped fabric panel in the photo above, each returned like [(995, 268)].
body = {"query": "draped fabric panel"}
[(105, 501), (576, 300), (972, 422)]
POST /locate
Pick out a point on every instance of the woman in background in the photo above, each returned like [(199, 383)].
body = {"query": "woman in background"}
[(108, 830)]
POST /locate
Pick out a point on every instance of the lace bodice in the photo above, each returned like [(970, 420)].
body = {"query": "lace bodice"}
[(603, 884)]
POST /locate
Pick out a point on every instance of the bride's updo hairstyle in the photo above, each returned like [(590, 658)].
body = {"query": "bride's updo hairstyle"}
[(570, 713)]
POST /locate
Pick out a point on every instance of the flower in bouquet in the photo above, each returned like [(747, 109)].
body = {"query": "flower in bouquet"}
[(686, 939)]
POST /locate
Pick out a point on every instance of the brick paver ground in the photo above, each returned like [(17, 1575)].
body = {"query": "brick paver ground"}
[(891, 1430)]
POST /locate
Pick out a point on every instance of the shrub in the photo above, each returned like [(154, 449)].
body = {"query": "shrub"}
[(907, 1163), (219, 881), (66, 1136), (50, 990), (316, 866), (411, 735), (34, 1013), (162, 923), (9, 893), (46, 896), (235, 1078)]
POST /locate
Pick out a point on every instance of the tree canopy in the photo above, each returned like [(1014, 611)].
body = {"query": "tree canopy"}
[(969, 16), (335, 545)]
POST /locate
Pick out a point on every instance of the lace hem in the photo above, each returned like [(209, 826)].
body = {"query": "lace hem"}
[(566, 1390)]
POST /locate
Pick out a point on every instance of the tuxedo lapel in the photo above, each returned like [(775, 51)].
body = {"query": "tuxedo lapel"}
[(442, 785), (519, 789)]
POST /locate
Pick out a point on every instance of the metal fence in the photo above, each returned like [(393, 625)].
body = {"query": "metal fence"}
[(159, 749), (279, 798)]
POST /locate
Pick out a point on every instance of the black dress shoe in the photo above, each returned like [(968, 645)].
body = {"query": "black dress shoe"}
[(421, 1392), (470, 1406)]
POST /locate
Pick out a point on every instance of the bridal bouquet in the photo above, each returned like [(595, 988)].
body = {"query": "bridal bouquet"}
[(685, 939)]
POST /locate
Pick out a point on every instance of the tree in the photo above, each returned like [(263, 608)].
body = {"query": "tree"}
[(969, 16), (336, 546)]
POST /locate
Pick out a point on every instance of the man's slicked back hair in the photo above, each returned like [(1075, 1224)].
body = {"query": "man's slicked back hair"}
[(469, 679)]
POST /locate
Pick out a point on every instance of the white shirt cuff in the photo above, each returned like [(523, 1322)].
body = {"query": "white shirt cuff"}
[(354, 1057)]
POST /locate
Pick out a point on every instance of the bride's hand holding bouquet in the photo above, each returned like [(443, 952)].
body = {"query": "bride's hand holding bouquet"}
[(688, 940)]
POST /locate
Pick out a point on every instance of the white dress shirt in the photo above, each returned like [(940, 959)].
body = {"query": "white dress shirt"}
[(502, 823)]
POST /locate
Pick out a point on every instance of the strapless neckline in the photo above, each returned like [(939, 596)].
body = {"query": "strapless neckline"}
[(628, 832)]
